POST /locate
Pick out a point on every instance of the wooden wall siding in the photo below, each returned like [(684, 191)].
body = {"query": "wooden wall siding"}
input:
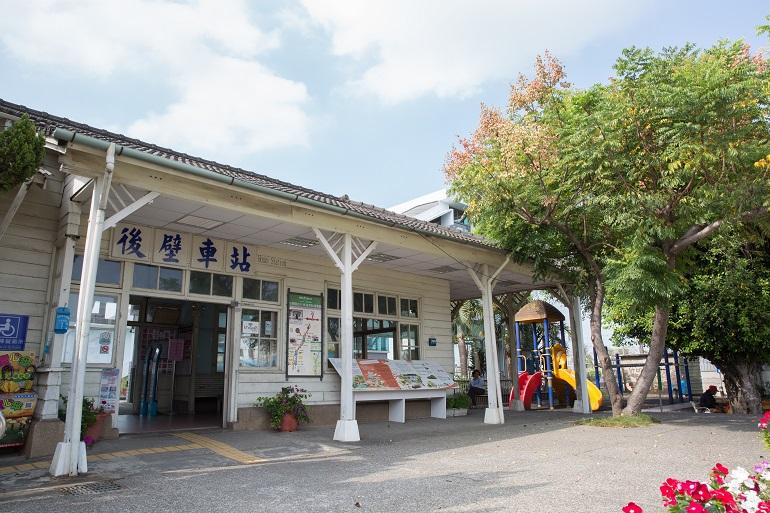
[(26, 251)]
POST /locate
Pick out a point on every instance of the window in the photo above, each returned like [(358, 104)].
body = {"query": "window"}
[(374, 338), (101, 339), (211, 284), (260, 290), (333, 337), (157, 278), (259, 339), (107, 271), (410, 342), (221, 339), (386, 305), (409, 308), (363, 303), (333, 299)]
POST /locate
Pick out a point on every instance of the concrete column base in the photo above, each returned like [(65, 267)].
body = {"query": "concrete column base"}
[(60, 466), (494, 416), (517, 405), (347, 431), (42, 437), (577, 407)]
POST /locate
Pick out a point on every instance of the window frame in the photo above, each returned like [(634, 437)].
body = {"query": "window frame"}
[(259, 308)]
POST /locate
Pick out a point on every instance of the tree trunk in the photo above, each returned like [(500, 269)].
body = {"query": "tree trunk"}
[(651, 364), (743, 381), (462, 349), (597, 300)]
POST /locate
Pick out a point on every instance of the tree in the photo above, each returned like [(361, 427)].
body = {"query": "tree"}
[(21, 153), (723, 312), (467, 326), (679, 134), (523, 192)]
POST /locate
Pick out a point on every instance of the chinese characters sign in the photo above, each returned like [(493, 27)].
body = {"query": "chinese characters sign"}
[(166, 247)]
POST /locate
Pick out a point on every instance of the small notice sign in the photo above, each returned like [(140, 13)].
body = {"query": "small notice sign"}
[(13, 332)]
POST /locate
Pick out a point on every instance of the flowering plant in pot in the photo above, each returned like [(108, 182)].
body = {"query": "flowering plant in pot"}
[(287, 408)]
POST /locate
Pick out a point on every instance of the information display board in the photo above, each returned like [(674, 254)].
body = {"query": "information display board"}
[(304, 339), (396, 374), (108, 390)]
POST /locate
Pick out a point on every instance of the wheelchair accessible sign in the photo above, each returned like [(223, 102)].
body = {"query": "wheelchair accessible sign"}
[(13, 332)]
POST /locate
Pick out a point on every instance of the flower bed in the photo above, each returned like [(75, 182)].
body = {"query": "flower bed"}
[(736, 491)]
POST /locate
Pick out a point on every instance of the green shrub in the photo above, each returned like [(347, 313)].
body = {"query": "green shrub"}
[(458, 401), (21, 153)]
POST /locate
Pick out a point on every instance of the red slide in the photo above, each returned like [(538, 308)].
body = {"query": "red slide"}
[(528, 385)]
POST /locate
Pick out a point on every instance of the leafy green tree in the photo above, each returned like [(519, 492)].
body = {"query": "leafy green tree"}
[(680, 136), (525, 192), (722, 313), (21, 153)]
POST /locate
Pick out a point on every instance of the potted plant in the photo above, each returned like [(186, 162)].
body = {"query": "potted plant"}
[(91, 420), (287, 408), (457, 405)]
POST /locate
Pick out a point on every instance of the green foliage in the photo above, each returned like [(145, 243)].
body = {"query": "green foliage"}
[(21, 153), (88, 414), (624, 421), (458, 401), (289, 400), (723, 310)]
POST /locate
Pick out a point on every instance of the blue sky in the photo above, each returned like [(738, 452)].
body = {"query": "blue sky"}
[(347, 97)]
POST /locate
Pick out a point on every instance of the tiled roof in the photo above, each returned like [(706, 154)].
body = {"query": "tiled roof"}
[(48, 123)]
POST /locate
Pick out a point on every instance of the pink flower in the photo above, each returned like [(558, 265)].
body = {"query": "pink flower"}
[(696, 507), (723, 496), (701, 493), (689, 487), (720, 469), (632, 507), (764, 507)]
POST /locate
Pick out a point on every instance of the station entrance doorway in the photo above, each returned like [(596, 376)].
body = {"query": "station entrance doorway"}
[(173, 372)]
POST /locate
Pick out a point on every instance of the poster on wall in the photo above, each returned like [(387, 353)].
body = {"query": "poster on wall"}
[(108, 390), (396, 374), (304, 344)]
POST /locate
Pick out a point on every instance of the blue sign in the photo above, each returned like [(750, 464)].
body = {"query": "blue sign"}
[(13, 332)]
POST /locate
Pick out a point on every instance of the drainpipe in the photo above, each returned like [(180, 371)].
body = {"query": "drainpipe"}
[(70, 456)]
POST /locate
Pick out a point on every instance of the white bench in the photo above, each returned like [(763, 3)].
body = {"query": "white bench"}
[(397, 401)]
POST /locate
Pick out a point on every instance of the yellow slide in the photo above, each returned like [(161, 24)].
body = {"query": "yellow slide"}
[(560, 371), (594, 394)]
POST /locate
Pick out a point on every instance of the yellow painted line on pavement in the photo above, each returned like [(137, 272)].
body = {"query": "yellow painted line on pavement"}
[(228, 451), (103, 456)]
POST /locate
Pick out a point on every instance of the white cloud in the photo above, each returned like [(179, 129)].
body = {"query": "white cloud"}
[(227, 108), (450, 48), (206, 52)]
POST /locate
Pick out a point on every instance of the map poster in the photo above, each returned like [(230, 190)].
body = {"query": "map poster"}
[(396, 374), (304, 349)]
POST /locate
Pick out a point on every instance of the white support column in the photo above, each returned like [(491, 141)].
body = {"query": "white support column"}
[(70, 455), (347, 425), (583, 405), (486, 284)]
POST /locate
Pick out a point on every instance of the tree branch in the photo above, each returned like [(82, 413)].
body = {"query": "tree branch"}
[(698, 233)]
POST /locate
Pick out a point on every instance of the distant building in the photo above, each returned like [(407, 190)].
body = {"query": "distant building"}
[(437, 208)]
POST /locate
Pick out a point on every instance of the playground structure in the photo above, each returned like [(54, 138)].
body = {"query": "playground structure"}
[(549, 360)]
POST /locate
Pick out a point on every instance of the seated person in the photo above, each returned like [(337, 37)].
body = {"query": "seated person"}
[(477, 386), (707, 400)]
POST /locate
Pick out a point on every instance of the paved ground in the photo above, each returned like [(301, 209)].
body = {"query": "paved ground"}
[(537, 461)]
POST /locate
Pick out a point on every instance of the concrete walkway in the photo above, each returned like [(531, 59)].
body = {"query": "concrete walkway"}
[(537, 461)]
